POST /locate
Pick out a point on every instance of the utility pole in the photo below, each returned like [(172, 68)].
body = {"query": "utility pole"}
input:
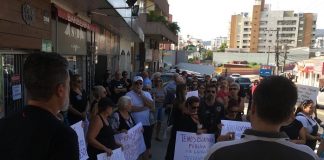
[(285, 58), (277, 53)]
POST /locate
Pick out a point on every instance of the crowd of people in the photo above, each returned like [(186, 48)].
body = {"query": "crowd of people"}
[(41, 130)]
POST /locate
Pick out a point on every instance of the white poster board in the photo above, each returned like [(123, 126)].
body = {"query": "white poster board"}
[(132, 141), (191, 146), (16, 92), (192, 93), (77, 127), (306, 92), (116, 155), (235, 126)]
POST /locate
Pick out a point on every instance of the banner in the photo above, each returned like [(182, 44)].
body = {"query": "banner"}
[(191, 146), (235, 126), (306, 92), (77, 127), (116, 155), (132, 141)]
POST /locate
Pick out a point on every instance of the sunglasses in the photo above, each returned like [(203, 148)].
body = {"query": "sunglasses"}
[(233, 89), (138, 83), (307, 102), (211, 91)]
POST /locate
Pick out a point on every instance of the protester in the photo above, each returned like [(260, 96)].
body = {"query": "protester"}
[(142, 102), (122, 119), (156, 77), (194, 86), (146, 79), (106, 82), (127, 82), (179, 103), (233, 112), (207, 80), (79, 106), (117, 87), (223, 93), (159, 97), (235, 98), (273, 103), (304, 114), (184, 76), (100, 135), (201, 90), (295, 130), (187, 122), (211, 112), (35, 133), (98, 93)]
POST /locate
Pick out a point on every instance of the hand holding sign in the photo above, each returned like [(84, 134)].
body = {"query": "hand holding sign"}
[(117, 154), (235, 127)]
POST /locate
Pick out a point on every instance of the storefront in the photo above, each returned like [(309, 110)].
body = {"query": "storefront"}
[(73, 38), (24, 28)]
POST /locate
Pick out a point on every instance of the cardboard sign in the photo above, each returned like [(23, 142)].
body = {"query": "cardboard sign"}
[(306, 92), (132, 141), (116, 155), (192, 93), (235, 126), (191, 146), (82, 144)]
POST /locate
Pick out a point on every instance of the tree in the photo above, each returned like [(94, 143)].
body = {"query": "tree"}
[(174, 27), (222, 47)]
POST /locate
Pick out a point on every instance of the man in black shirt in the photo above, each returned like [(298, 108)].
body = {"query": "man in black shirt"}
[(36, 133), (117, 87), (211, 112), (126, 81)]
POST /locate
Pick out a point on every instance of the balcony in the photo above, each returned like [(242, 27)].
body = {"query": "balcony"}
[(163, 5), (156, 29)]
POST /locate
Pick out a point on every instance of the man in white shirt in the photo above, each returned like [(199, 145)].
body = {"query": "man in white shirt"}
[(142, 102)]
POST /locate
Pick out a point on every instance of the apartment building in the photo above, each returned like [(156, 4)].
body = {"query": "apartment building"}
[(257, 31)]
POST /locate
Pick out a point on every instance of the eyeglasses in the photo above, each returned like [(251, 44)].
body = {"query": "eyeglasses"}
[(209, 91)]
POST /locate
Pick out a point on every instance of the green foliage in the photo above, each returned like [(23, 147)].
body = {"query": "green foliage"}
[(222, 47), (254, 65), (208, 55), (174, 27), (153, 16)]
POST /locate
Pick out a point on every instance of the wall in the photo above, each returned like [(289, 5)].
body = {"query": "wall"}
[(15, 32), (125, 57)]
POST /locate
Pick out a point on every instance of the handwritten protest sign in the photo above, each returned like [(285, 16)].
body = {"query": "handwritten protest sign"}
[(190, 146), (306, 92), (234, 126), (82, 145), (192, 93), (132, 141), (117, 155)]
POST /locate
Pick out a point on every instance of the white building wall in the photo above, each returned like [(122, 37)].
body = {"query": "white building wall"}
[(125, 58)]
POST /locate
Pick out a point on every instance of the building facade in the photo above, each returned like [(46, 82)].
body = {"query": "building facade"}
[(259, 31)]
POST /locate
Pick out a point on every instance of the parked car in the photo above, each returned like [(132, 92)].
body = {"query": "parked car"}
[(245, 83), (235, 75), (320, 99)]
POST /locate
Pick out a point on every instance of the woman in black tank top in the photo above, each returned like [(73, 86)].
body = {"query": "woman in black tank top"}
[(101, 135), (122, 120)]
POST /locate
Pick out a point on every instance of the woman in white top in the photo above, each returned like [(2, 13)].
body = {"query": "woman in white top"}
[(304, 114)]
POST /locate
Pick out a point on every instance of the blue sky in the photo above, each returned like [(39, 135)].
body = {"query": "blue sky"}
[(207, 19)]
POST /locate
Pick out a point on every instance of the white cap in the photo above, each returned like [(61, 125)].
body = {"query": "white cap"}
[(137, 78)]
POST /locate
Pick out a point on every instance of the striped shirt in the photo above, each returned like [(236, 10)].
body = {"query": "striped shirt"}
[(256, 145)]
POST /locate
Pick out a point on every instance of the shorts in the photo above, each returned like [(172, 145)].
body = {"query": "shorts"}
[(159, 114)]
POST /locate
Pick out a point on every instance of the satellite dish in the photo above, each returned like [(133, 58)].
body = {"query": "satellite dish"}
[(318, 53)]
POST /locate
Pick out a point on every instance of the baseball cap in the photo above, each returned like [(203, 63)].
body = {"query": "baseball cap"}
[(137, 78)]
